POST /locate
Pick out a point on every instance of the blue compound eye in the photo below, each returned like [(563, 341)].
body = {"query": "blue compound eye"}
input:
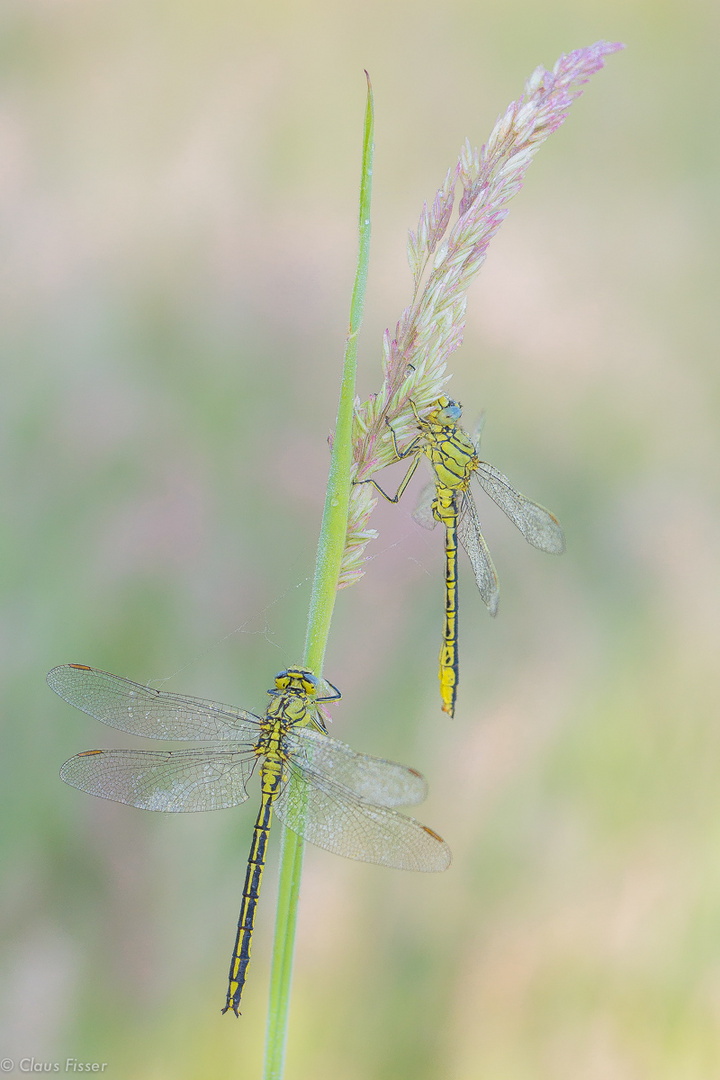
[(453, 410)]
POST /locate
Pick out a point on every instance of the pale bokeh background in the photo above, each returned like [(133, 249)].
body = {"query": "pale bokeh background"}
[(179, 192)]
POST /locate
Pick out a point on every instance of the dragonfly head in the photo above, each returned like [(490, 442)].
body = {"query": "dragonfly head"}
[(446, 412), (298, 680)]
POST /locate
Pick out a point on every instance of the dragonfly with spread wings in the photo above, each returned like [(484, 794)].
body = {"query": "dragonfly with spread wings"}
[(324, 791), (455, 459)]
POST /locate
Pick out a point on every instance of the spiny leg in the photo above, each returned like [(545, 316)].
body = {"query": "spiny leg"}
[(335, 696), (403, 483), (400, 455)]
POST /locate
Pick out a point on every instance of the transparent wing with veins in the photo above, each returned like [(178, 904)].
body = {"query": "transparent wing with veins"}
[(422, 513), (174, 781), (331, 815), (471, 537), (539, 527), (367, 778), (154, 714)]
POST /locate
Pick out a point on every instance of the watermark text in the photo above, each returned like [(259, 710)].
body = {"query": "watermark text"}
[(35, 1065)]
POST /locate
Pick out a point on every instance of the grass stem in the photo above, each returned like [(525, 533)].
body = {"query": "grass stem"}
[(331, 547)]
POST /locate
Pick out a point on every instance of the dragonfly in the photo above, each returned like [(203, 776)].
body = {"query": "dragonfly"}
[(318, 787), (455, 458)]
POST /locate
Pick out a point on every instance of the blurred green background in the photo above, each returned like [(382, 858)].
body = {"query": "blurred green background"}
[(179, 193)]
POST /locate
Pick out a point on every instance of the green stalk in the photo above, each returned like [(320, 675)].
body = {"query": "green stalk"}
[(331, 546)]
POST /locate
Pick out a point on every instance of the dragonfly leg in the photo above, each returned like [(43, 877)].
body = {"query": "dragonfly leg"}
[(400, 455), (332, 697), (318, 718), (403, 483), (411, 447), (419, 419)]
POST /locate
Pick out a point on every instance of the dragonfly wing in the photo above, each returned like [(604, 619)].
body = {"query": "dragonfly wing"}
[(170, 780), (471, 537), (539, 527), (477, 431), (422, 513), (370, 779), (330, 816), (140, 710)]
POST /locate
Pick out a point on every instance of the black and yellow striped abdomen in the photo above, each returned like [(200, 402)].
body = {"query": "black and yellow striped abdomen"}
[(449, 667), (272, 775), (454, 460)]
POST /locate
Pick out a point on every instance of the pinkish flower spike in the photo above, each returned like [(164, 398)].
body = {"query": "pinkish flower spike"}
[(429, 331)]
